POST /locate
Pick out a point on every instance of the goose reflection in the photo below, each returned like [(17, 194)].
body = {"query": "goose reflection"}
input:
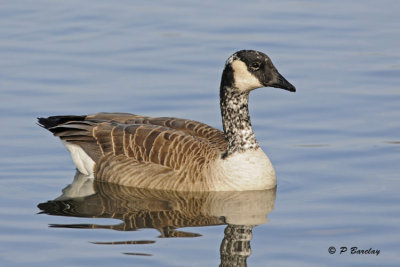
[(166, 211)]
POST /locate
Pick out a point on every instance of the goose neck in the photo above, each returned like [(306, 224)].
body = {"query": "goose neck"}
[(236, 122)]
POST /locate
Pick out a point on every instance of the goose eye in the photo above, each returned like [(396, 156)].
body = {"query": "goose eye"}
[(255, 66)]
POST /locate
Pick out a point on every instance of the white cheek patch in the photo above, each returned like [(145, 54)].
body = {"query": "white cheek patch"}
[(244, 80)]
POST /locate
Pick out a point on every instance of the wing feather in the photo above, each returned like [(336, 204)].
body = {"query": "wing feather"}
[(143, 151), (194, 128)]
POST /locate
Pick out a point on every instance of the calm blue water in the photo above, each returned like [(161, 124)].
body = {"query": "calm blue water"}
[(335, 143)]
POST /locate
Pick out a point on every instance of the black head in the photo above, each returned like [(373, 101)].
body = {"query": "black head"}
[(248, 69)]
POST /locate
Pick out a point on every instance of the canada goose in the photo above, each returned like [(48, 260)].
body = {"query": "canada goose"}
[(179, 154)]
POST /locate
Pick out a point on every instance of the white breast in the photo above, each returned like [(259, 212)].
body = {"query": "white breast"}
[(250, 170)]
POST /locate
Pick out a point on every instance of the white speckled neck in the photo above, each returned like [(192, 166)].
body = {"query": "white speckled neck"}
[(236, 121)]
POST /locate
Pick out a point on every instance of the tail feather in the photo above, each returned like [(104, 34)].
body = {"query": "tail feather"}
[(54, 121), (76, 135)]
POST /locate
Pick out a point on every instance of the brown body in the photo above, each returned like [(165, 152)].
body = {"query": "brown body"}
[(146, 152)]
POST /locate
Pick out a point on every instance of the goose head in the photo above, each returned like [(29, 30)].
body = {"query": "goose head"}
[(247, 70)]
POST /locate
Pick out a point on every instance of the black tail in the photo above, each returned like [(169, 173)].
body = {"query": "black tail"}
[(54, 121)]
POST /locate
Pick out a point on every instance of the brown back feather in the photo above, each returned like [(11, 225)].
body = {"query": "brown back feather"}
[(146, 152), (190, 127), (166, 141)]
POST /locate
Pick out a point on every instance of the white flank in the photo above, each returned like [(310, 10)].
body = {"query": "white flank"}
[(82, 161)]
